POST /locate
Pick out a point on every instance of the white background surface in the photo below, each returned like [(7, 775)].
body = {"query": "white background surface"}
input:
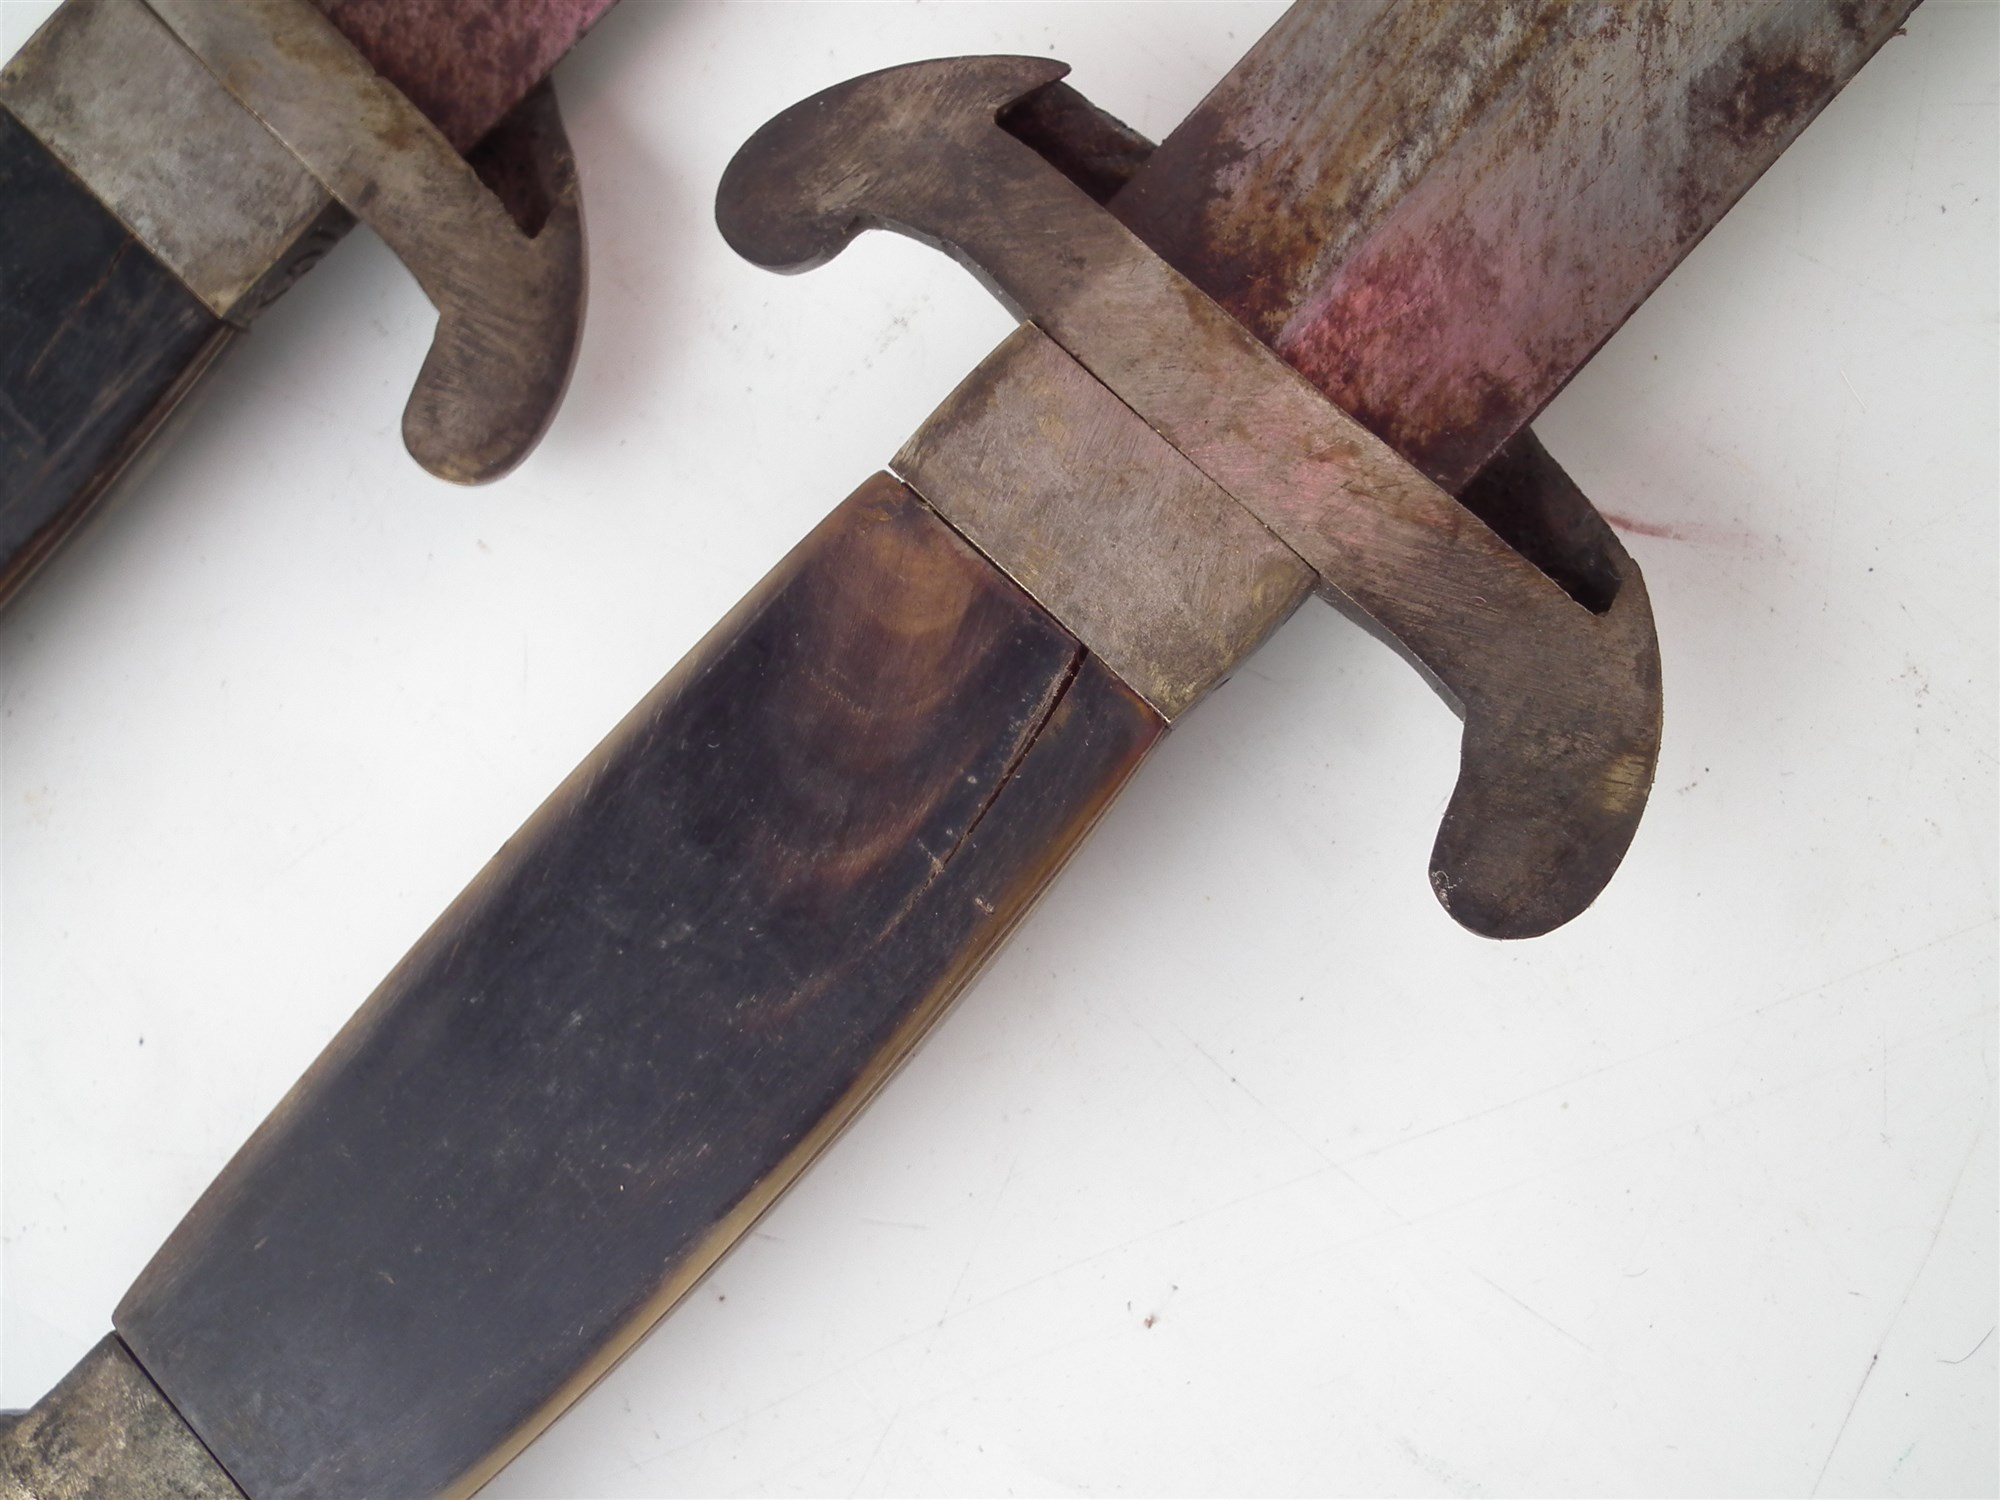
[(1243, 1170)]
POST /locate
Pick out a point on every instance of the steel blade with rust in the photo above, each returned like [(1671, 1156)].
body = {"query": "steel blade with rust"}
[(1158, 833)]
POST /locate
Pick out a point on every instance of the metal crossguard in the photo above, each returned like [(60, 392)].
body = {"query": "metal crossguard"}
[(1560, 697)]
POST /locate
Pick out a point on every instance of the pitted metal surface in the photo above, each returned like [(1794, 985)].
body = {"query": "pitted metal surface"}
[(147, 128), (1137, 552), (106, 1433), (466, 63)]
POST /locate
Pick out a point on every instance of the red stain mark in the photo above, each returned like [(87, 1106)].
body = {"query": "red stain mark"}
[(1650, 528), (1694, 533)]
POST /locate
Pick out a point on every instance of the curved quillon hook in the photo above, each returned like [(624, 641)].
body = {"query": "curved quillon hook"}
[(510, 307), (1561, 704), (876, 152), (510, 314)]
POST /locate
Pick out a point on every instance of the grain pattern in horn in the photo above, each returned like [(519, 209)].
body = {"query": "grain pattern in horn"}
[(98, 341)]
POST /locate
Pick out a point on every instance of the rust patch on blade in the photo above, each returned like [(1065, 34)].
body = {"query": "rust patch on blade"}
[(463, 63), (1520, 193), (1313, 136), (1461, 314), (1744, 109), (1359, 347), (1768, 99)]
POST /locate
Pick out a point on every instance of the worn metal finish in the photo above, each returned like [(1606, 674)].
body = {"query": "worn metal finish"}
[(510, 307), (464, 63), (199, 182), (1438, 211), (1314, 136), (1137, 552), (1561, 702), (647, 1015), (106, 1433), (1091, 147)]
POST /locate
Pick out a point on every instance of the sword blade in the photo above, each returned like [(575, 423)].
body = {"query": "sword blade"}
[(1474, 200)]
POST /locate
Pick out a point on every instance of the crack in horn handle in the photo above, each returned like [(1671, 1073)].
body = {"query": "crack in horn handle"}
[(1560, 696)]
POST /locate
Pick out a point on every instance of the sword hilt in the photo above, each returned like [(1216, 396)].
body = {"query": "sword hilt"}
[(1559, 690)]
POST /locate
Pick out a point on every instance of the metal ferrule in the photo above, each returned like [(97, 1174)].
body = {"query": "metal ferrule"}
[(106, 1433), (115, 96), (1141, 556)]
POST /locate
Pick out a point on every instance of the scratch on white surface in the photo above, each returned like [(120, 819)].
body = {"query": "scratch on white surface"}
[(1853, 392), (1937, 1233), (1173, 1061), (1910, 160), (301, 856), (1183, 1222), (1970, 1352), (1569, 1081), (1919, 315), (1881, 963), (1849, 1416), (1885, 1084), (1496, 1185), (1436, 1468), (1539, 1316), (903, 1403), (1296, 1134), (904, 1406)]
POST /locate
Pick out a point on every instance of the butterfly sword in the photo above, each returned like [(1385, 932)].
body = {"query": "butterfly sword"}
[(717, 938)]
